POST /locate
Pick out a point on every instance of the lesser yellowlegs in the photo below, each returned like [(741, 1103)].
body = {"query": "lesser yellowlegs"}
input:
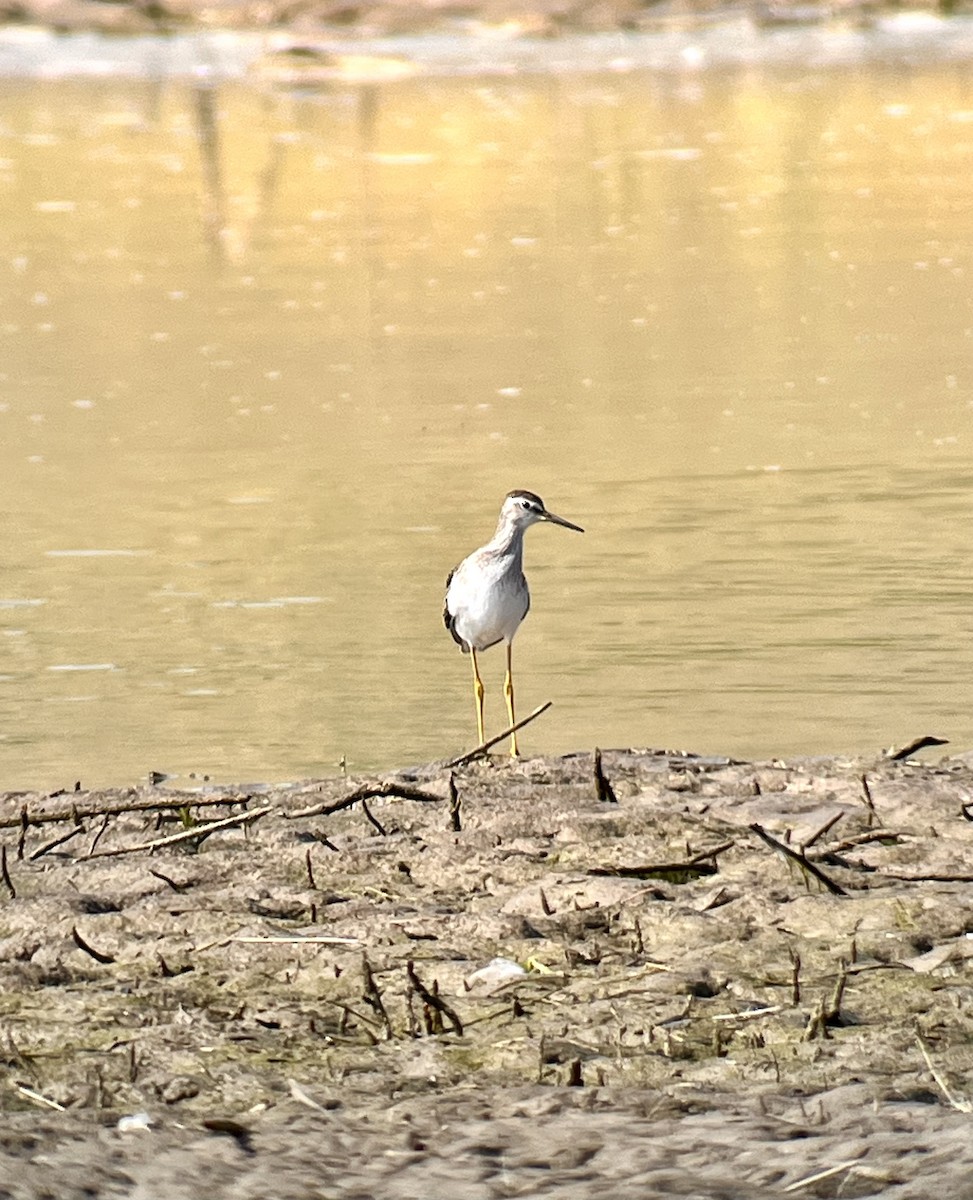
[(487, 595)]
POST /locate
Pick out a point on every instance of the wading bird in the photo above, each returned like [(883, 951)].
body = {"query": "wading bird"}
[(487, 595)]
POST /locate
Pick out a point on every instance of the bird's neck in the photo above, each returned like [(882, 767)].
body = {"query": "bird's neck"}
[(508, 541)]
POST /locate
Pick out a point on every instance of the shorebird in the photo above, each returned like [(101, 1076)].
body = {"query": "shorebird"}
[(487, 595)]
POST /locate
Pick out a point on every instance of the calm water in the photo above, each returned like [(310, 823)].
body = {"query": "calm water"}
[(270, 360)]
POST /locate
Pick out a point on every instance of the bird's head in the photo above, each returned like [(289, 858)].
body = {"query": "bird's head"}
[(523, 509)]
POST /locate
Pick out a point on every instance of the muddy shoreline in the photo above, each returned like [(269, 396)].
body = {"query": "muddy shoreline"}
[(343, 20), (303, 995)]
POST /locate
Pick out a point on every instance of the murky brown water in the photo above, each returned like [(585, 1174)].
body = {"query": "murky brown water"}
[(270, 361)]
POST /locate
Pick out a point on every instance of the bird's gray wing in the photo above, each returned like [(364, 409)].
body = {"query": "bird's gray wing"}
[(449, 619)]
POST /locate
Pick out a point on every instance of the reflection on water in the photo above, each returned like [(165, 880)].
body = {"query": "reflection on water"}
[(271, 360)]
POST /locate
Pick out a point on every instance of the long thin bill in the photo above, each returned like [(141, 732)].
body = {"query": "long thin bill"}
[(549, 516)]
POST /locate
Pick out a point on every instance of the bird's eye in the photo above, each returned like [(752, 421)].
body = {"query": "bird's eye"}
[(525, 503)]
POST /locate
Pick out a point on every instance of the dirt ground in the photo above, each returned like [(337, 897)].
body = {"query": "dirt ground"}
[(301, 1002)]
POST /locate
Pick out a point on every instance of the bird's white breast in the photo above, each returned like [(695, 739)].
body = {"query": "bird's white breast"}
[(487, 598)]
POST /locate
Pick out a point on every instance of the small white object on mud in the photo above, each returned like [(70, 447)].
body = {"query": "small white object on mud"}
[(497, 972), (135, 1122)]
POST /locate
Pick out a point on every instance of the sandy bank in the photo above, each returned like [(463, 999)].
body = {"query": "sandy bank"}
[(681, 1003)]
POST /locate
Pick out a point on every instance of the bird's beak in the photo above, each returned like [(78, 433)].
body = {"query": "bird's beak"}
[(549, 516)]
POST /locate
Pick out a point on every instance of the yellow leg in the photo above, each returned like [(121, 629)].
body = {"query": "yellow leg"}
[(478, 694), (508, 691)]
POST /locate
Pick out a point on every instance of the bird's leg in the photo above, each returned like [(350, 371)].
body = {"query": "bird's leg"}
[(478, 694), (508, 692)]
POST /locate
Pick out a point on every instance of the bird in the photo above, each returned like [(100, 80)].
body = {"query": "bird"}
[(487, 595)]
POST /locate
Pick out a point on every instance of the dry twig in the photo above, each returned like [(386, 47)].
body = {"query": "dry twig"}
[(713, 854), (832, 1010), (187, 835), (945, 877), (76, 813), (37, 1098), (816, 1025), (5, 873), (97, 955), (58, 841), (913, 747), (682, 872), (297, 939), (869, 802), (432, 999), (963, 1106), (463, 759), (795, 977), (373, 997), (603, 788), (801, 860), (367, 792), (860, 839), (800, 1184), (98, 836), (748, 1014), (372, 819), (829, 824), (455, 823), (176, 887)]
